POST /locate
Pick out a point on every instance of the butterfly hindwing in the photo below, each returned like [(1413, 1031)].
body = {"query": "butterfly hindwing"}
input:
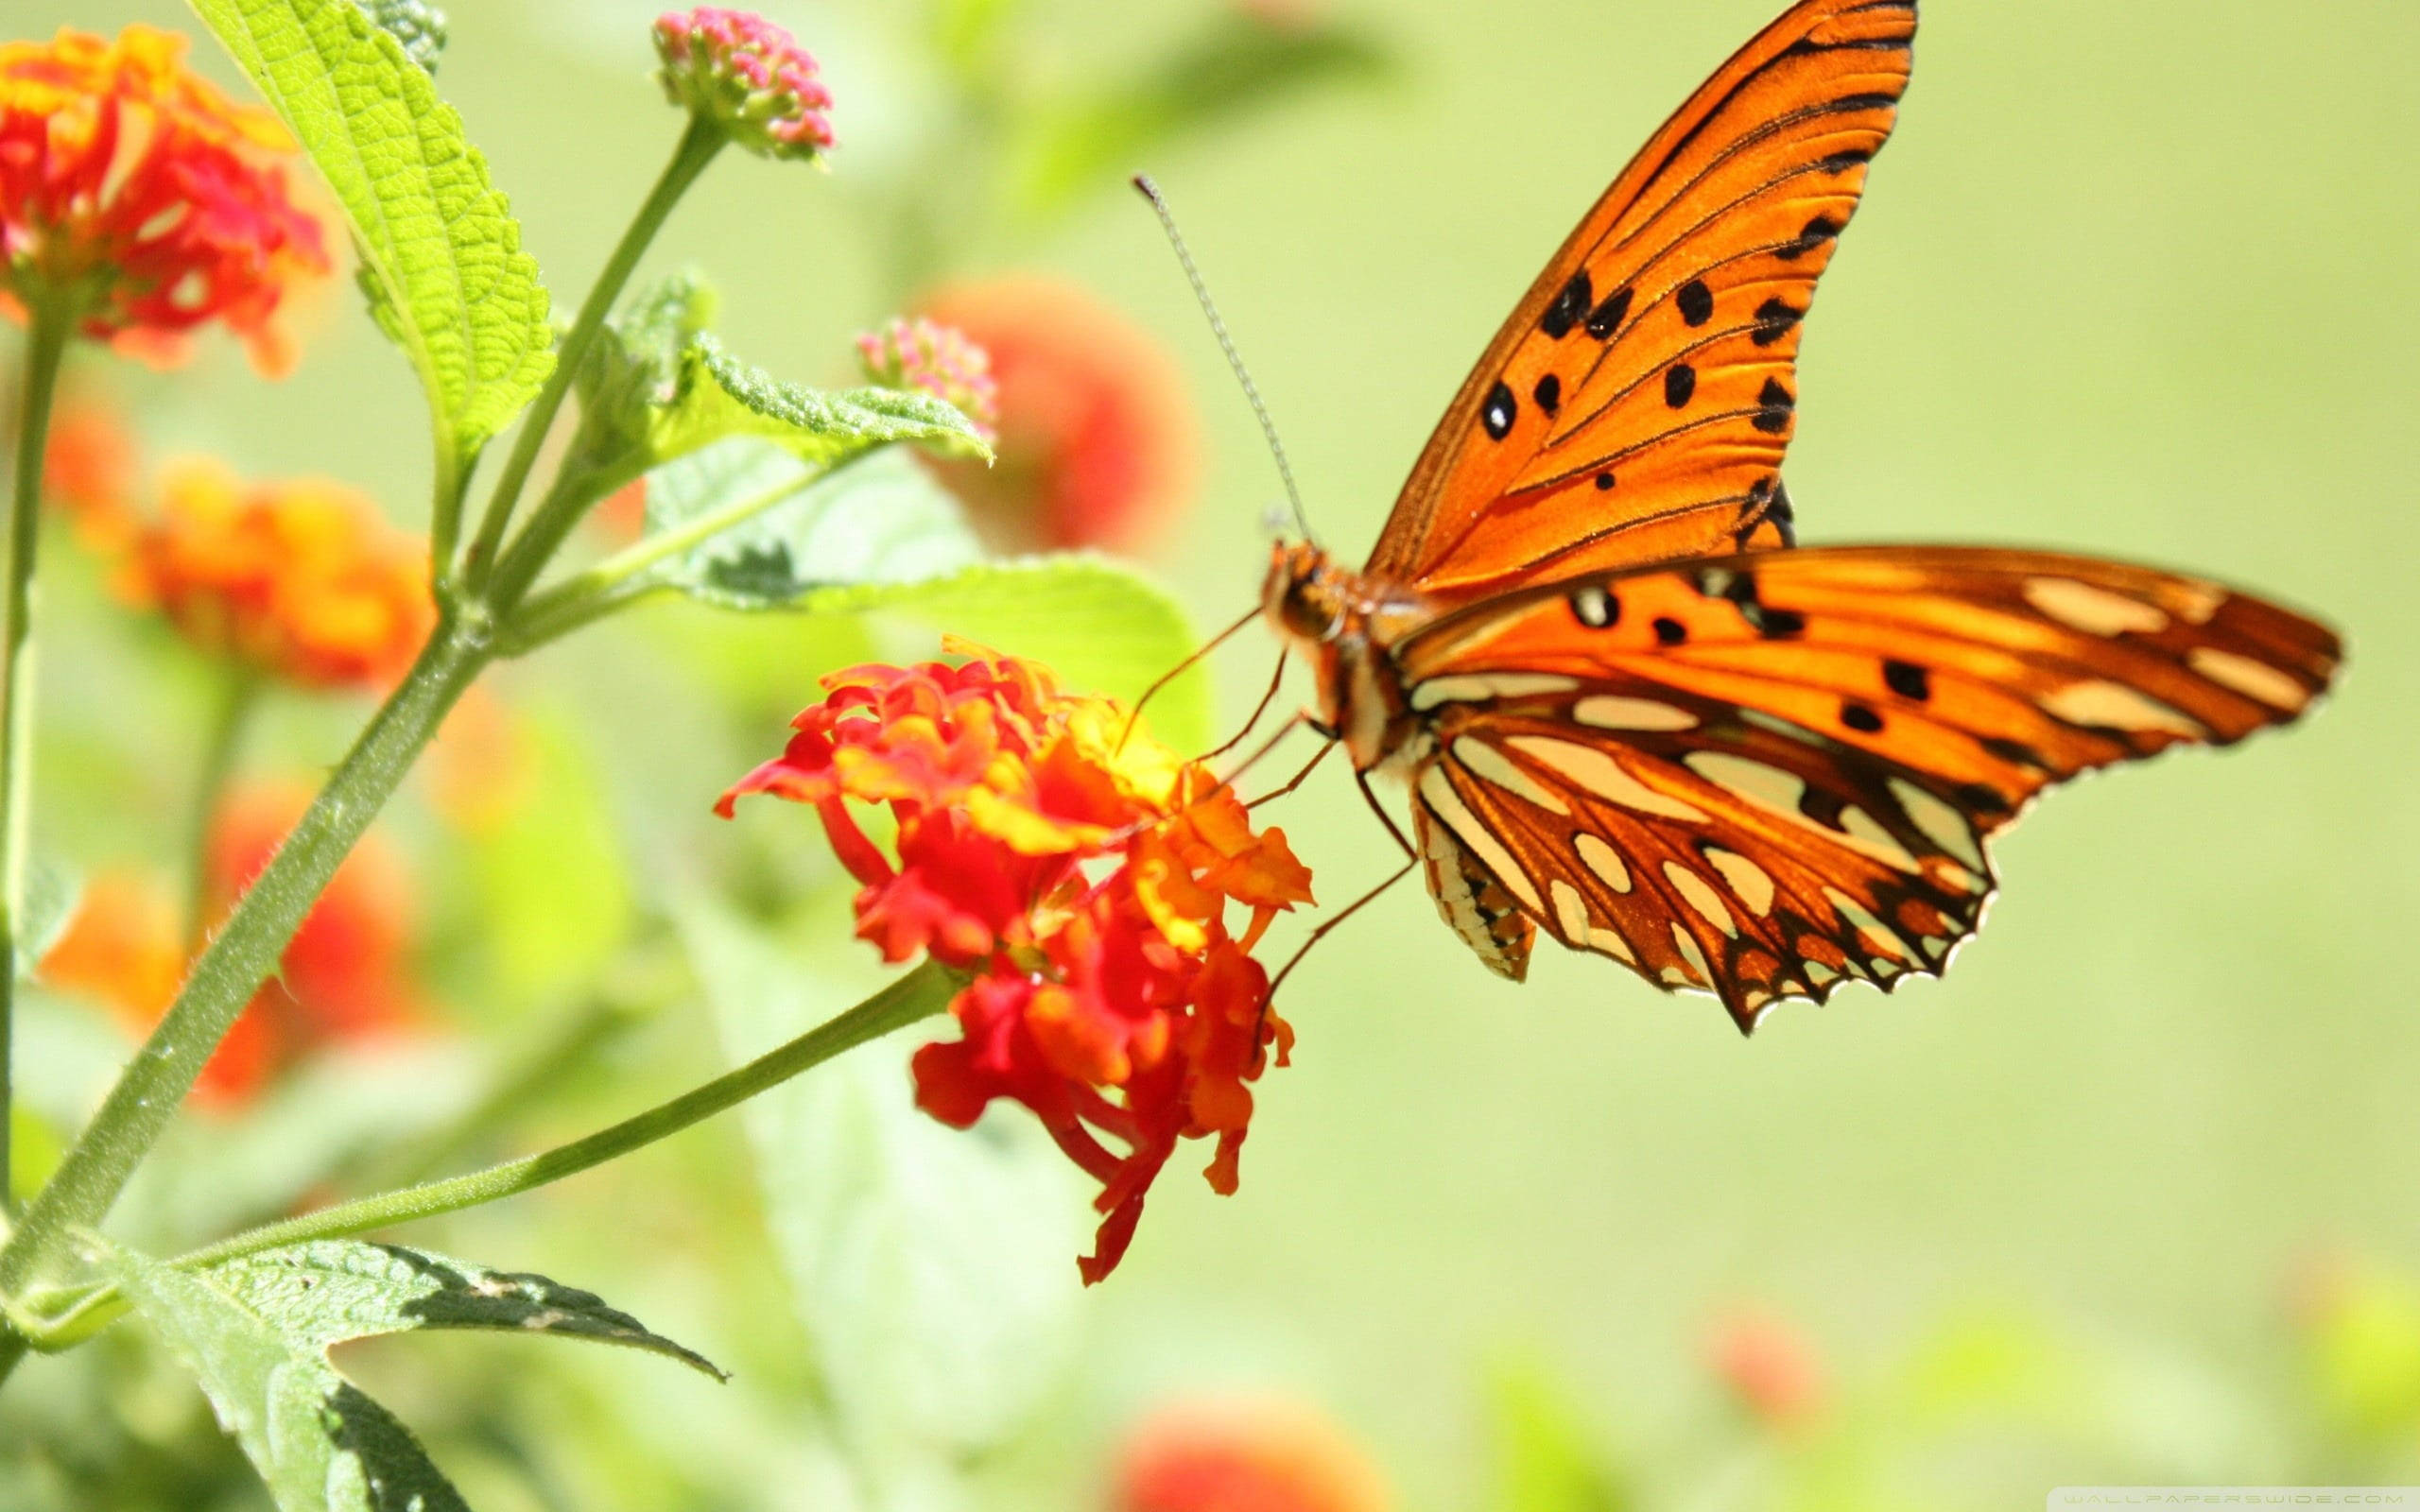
[(1636, 406), (1794, 758)]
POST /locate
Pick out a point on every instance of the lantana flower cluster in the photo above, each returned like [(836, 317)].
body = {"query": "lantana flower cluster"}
[(303, 580), (135, 190), (936, 360), (1081, 874), (738, 69)]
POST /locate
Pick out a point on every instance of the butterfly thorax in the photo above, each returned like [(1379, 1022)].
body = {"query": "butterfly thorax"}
[(1347, 625)]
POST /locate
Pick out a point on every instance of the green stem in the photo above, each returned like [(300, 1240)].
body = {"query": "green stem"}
[(918, 995), (699, 143), (238, 959), (53, 322), (577, 599), (75, 1314), (445, 523), (239, 695)]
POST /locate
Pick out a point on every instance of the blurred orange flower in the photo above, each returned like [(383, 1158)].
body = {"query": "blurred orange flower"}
[(345, 978), (1228, 1457), (1084, 884), (303, 580), (131, 186), (88, 471), (1098, 445), (1770, 1369)]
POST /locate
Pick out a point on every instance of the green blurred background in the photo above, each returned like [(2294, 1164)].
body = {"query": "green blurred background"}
[(2132, 278)]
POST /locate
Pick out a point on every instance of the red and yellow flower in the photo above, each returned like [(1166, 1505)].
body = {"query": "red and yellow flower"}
[(303, 580), (132, 188), (1083, 880), (345, 977), (1098, 445)]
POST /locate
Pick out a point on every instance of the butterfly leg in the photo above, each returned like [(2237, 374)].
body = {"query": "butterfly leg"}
[(1177, 671), (1411, 853), (1276, 679), (1260, 1023), (1297, 780)]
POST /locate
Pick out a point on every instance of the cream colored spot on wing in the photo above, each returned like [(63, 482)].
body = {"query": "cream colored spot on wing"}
[(1479, 689), (2115, 706), (1605, 777), (1613, 945), (1570, 909), (1818, 975), (1492, 766), (2253, 679), (1866, 833), (2093, 610), (1604, 860), (1700, 895), (1436, 791), (1750, 883), (1765, 786), (2195, 599), (1687, 944), (1877, 939), (1941, 822), (1607, 711)]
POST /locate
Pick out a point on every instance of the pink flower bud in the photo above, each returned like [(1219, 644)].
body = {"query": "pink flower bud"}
[(934, 359), (739, 69)]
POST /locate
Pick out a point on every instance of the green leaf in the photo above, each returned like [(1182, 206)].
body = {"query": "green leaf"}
[(714, 396), (257, 1331), (1102, 626), (933, 1268), (52, 892), (419, 25), (440, 253), (1546, 1459), (883, 519), (1236, 64)]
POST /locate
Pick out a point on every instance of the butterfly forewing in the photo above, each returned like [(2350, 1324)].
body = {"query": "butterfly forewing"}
[(1793, 759), (1636, 406)]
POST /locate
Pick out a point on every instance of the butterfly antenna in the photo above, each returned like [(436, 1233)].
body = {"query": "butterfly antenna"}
[(1150, 191)]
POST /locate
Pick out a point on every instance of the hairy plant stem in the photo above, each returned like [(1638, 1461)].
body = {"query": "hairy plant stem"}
[(238, 959), (52, 322), (699, 141), (918, 995)]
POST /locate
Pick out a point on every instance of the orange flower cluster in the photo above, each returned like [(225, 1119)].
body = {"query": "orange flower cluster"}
[(345, 977), (1099, 445), (1246, 1457), (132, 187), (303, 580), (1084, 885)]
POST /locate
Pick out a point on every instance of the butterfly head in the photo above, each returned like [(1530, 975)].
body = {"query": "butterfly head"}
[(1304, 594)]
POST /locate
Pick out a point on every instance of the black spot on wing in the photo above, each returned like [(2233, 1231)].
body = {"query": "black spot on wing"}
[(1774, 319), (1695, 302), (1680, 384), (1549, 393), (1908, 680), (1607, 317), (1498, 412), (1569, 307)]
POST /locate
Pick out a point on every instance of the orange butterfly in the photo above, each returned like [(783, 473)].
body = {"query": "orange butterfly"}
[(1631, 720)]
